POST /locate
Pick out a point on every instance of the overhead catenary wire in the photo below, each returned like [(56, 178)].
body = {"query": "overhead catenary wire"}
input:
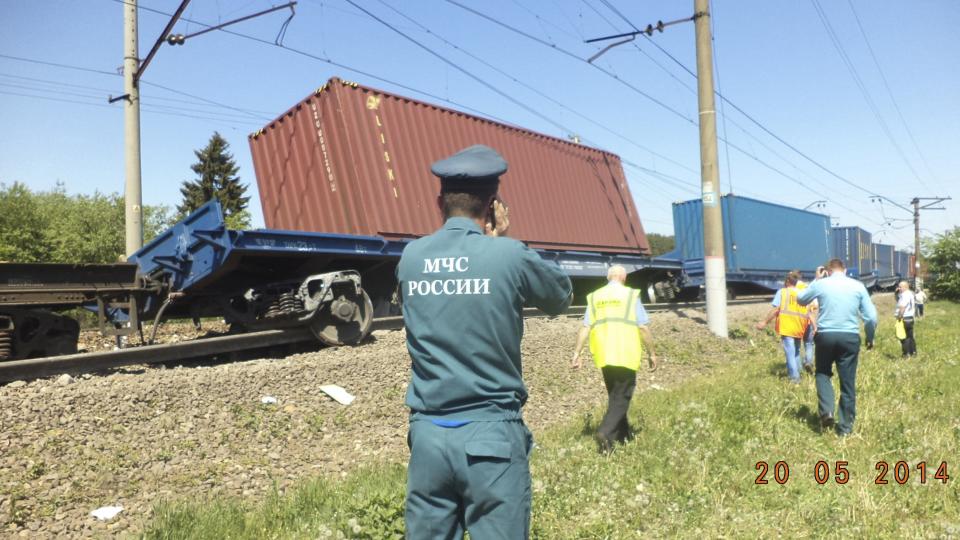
[(723, 115), (331, 62), (544, 95), (115, 74), (725, 138), (325, 60), (724, 100), (867, 97), (893, 99), (304, 53), (568, 53), (146, 108), (463, 70), (146, 97), (723, 108), (98, 97), (763, 127)]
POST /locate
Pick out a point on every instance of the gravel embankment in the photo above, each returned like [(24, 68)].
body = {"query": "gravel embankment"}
[(142, 434)]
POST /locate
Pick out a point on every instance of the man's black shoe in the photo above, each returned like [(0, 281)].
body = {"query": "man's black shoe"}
[(826, 421), (808, 368), (604, 445)]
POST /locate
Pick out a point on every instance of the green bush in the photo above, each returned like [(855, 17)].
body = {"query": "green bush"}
[(944, 263), (57, 227)]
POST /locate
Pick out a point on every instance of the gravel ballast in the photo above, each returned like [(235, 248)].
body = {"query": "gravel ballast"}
[(135, 436)]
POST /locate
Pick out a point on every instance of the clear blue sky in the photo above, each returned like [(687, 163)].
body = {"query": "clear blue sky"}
[(775, 60)]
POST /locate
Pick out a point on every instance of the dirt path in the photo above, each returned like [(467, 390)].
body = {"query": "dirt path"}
[(139, 435)]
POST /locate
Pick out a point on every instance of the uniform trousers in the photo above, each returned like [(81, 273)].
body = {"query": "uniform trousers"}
[(620, 382), (909, 345), (473, 477), (840, 349)]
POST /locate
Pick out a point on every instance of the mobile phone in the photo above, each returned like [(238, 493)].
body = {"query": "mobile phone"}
[(492, 213)]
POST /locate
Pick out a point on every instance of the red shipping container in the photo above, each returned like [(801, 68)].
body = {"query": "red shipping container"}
[(355, 160)]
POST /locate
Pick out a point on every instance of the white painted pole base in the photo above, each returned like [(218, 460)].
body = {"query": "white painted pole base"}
[(715, 281)]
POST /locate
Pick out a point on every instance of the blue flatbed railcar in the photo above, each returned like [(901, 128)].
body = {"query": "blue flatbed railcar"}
[(762, 242), (334, 283)]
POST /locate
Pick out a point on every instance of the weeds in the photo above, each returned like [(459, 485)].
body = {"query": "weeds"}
[(692, 470)]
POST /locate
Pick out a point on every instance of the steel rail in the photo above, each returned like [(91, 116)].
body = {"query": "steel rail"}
[(35, 368)]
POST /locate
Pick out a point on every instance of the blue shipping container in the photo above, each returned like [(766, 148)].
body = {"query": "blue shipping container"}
[(883, 260), (902, 264), (853, 246), (758, 236)]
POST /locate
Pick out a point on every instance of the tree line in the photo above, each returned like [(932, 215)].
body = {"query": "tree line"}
[(57, 227)]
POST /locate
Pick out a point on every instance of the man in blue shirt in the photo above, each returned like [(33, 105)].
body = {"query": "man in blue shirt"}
[(843, 302), (464, 288)]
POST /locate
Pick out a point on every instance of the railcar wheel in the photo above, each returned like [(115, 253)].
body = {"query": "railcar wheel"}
[(344, 321)]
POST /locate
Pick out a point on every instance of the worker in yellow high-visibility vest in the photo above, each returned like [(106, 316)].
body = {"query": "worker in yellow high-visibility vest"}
[(792, 321), (616, 322)]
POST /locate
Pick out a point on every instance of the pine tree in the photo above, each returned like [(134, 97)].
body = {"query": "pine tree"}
[(216, 178)]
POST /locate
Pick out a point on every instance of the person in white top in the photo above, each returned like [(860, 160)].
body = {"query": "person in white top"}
[(905, 311), (921, 298)]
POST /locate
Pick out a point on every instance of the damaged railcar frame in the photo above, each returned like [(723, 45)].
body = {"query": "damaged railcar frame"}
[(330, 284), (32, 294), (254, 280)]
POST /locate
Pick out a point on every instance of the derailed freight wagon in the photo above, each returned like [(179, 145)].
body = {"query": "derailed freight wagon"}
[(762, 242), (351, 159), (345, 183)]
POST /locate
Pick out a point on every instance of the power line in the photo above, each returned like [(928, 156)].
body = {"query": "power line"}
[(663, 68), (114, 74), (504, 94), (461, 69), (210, 114), (572, 55), (871, 104), (55, 64), (205, 100), (536, 91), (760, 125), (148, 108), (723, 110), (725, 139), (325, 60), (541, 20), (886, 85)]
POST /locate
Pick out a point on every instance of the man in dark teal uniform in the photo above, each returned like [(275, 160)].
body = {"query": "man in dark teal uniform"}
[(464, 288)]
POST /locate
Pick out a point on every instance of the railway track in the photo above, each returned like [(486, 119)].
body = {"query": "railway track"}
[(35, 368)]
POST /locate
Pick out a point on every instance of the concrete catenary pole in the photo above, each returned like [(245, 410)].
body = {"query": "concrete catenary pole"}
[(131, 115), (713, 257), (917, 278)]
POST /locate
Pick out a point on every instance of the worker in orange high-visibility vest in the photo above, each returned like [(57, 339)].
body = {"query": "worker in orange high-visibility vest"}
[(616, 322), (792, 321)]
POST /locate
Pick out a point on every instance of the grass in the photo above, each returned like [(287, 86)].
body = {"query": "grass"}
[(691, 472)]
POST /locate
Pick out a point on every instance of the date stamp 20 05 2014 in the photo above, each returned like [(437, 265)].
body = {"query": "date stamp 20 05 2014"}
[(823, 472)]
